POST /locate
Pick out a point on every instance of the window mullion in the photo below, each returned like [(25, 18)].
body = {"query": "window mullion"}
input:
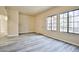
[(73, 22), (51, 23), (68, 22), (63, 23)]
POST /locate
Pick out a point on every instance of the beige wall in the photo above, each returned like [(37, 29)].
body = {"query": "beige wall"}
[(25, 23), (19, 23), (3, 21), (41, 26), (13, 17), (32, 24), (3, 10)]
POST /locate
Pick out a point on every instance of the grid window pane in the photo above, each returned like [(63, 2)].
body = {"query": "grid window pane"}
[(61, 29), (54, 18), (71, 14), (76, 13), (61, 25), (70, 19), (49, 28), (49, 20), (70, 24), (74, 22), (65, 25), (76, 18), (65, 14), (71, 29), (49, 23), (76, 30), (63, 22), (65, 29), (61, 15)]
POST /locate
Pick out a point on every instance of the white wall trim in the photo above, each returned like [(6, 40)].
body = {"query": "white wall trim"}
[(12, 35)]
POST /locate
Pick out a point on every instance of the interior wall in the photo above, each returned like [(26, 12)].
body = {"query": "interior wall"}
[(19, 23), (3, 11), (32, 24), (41, 26), (25, 23), (13, 17), (3, 21)]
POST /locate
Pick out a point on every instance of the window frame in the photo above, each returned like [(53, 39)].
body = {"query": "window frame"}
[(51, 22), (68, 21), (48, 24), (54, 22), (63, 21), (73, 22)]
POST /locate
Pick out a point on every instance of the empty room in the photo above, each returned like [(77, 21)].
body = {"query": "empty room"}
[(39, 28)]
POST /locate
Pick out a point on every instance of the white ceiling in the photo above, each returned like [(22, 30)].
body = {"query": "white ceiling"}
[(30, 10)]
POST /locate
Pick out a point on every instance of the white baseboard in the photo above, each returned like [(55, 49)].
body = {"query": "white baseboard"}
[(12, 35)]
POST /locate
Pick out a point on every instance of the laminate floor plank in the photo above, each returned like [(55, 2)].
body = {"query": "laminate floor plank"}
[(34, 43)]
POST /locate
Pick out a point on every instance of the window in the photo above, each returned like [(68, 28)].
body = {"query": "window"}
[(51, 22), (54, 18), (74, 21), (63, 22), (69, 22)]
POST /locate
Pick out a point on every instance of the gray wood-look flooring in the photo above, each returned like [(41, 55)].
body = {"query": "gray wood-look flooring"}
[(34, 43)]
